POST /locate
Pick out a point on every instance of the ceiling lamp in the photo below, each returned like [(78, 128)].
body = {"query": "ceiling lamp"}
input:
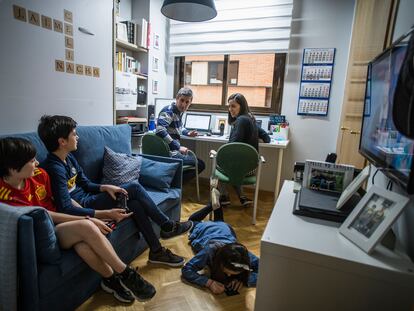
[(189, 11)]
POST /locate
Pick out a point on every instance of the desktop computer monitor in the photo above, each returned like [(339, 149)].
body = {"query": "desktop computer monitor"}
[(198, 122)]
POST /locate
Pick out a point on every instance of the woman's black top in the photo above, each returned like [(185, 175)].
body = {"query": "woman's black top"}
[(244, 130)]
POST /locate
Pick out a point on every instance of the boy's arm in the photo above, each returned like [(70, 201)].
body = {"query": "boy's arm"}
[(62, 197), (164, 120), (82, 180), (190, 271)]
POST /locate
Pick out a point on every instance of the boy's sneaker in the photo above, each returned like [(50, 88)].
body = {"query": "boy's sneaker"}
[(141, 289), (224, 200), (245, 201), (112, 285), (177, 229), (166, 257)]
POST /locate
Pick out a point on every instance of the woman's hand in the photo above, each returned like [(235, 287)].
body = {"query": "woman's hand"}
[(101, 225), (234, 285), (113, 190), (215, 287)]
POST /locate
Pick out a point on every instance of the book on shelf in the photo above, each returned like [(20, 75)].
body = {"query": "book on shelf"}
[(121, 32), (142, 33), (127, 63), (130, 29)]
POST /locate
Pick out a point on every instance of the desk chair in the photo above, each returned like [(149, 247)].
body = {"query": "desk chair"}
[(155, 145), (236, 161)]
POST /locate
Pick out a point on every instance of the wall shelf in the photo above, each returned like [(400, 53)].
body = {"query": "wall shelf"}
[(130, 46)]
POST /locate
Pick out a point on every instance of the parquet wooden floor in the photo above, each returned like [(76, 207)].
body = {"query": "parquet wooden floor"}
[(172, 293)]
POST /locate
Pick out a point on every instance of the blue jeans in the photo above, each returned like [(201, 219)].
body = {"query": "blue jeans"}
[(188, 159), (141, 204)]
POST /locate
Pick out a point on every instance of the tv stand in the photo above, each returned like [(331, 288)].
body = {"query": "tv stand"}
[(306, 264)]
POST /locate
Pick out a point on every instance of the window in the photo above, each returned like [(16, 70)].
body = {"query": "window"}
[(259, 77)]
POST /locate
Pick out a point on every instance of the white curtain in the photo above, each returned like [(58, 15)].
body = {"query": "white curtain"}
[(241, 26)]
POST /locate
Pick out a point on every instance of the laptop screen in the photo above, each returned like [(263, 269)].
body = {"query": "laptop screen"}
[(199, 122)]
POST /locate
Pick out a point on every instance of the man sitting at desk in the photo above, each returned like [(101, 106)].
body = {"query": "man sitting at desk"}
[(170, 127)]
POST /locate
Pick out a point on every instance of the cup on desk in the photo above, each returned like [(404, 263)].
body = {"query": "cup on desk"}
[(222, 125)]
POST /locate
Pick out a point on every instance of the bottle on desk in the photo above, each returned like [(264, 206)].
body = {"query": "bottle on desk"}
[(151, 123)]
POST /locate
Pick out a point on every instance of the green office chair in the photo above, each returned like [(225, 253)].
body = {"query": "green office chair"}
[(155, 145), (239, 164)]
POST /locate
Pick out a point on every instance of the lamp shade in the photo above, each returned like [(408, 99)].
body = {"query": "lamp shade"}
[(189, 11)]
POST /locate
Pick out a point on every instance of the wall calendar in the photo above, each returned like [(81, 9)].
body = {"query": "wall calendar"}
[(316, 81)]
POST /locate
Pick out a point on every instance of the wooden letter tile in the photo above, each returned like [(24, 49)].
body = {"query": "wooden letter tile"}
[(57, 26), (70, 67), (69, 42), (68, 16), (79, 69), (34, 18), (96, 72), (46, 22), (19, 13), (68, 29), (59, 65), (88, 70), (69, 55)]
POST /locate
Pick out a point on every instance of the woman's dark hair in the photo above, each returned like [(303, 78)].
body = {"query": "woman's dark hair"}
[(244, 107), (235, 257), (15, 152), (51, 128)]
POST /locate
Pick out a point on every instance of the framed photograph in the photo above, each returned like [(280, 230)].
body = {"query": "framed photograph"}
[(353, 187), (372, 217), (155, 63), (154, 86), (325, 176), (156, 40)]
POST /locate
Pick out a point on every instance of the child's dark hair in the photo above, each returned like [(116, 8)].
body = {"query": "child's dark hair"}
[(51, 128), (244, 107), (235, 257), (15, 152)]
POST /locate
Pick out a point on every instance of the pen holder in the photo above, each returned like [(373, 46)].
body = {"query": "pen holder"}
[(280, 132)]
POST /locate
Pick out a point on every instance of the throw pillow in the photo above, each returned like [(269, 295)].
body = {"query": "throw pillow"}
[(120, 168), (157, 175)]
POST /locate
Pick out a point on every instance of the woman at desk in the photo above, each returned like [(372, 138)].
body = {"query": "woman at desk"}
[(243, 130)]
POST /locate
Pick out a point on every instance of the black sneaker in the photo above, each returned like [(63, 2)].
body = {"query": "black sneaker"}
[(224, 200), (244, 201), (166, 257), (178, 229), (113, 286), (141, 289)]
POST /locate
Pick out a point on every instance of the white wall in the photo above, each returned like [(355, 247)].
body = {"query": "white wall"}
[(29, 84), (315, 24)]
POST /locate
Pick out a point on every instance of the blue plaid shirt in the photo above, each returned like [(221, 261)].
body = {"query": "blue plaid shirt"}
[(170, 127)]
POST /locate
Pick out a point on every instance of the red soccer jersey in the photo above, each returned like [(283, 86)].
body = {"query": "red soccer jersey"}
[(36, 192)]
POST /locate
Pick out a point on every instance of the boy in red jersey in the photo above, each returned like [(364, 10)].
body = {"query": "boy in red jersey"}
[(23, 184)]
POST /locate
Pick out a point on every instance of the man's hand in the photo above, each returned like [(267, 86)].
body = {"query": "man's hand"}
[(215, 287), (101, 225), (192, 133), (183, 150), (113, 190)]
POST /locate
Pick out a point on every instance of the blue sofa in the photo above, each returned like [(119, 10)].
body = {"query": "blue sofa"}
[(54, 279)]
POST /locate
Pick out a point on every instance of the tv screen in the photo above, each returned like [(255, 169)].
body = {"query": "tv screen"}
[(380, 142)]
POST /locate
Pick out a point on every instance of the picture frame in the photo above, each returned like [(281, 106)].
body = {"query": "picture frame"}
[(326, 176), (155, 86), (156, 41), (155, 63), (372, 217), (353, 187)]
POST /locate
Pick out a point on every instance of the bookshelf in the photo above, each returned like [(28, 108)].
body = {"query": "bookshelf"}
[(130, 62)]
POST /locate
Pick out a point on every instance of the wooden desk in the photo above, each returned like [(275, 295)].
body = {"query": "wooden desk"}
[(277, 146), (306, 264)]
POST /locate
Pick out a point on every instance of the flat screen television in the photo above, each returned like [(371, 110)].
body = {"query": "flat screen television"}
[(380, 142)]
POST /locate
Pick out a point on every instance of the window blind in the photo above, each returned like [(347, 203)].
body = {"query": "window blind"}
[(241, 26)]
